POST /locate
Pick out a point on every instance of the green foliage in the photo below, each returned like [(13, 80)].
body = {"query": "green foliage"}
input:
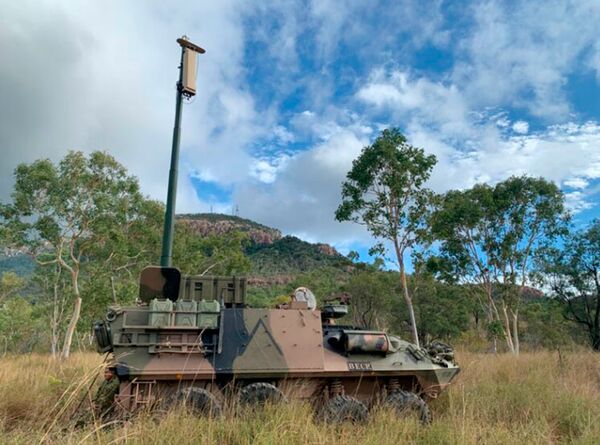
[(67, 213), (489, 235), (21, 264), (20, 326), (494, 231), (266, 296), (290, 255), (70, 214), (372, 296), (572, 270), (384, 189), (210, 255), (84, 199), (544, 325), (10, 283), (494, 330), (443, 311), (324, 282)]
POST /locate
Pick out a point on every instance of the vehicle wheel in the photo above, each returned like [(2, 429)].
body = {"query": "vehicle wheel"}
[(406, 403), (260, 393), (343, 408), (200, 401)]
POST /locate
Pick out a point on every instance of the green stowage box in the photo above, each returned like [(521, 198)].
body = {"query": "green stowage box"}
[(185, 313), (160, 312), (209, 314)]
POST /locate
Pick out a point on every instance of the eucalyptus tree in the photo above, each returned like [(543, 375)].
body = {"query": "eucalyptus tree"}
[(385, 191), (66, 214), (371, 292), (572, 271), (489, 236), (210, 254), (10, 284)]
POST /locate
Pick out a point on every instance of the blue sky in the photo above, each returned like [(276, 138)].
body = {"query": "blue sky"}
[(289, 93)]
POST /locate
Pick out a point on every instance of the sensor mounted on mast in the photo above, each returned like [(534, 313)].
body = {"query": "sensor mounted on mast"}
[(188, 77), (186, 86)]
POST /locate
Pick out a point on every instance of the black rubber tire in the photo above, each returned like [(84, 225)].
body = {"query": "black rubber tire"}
[(406, 403), (344, 408), (259, 393), (200, 401)]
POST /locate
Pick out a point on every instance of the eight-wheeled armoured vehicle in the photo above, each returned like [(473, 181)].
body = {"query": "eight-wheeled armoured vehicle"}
[(193, 338)]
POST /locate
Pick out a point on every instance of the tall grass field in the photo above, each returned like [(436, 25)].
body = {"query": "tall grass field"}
[(537, 398)]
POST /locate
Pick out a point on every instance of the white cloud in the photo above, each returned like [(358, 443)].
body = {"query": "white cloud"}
[(553, 154), (306, 191), (102, 75), (577, 201), (266, 170), (503, 122), (367, 27), (520, 127), (475, 146), (283, 135), (576, 183), (520, 53), (417, 99)]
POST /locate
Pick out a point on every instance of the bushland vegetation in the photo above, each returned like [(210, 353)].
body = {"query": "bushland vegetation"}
[(491, 268), (536, 398)]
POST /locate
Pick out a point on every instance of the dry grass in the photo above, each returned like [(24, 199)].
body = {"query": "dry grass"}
[(538, 398)]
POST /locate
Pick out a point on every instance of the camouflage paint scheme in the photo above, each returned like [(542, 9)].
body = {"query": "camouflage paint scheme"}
[(293, 348)]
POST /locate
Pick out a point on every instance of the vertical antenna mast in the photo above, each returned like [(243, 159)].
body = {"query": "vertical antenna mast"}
[(186, 86)]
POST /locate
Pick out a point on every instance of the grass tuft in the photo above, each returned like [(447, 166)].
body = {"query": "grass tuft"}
[(537, 398)]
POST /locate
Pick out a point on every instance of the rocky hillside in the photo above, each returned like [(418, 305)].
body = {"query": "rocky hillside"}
[(290, 255), (271, 254), (275, 259), (218, 224)]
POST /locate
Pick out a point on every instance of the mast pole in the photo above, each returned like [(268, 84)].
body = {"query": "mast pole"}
[(186, 86)]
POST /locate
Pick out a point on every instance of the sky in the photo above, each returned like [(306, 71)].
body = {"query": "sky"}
[(290, 92)]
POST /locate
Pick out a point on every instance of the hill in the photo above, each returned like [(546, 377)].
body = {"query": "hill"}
[(17, 262), (271, 254), (219, 224), (290, 255)]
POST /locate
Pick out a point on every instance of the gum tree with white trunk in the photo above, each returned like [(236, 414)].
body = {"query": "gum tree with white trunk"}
[(63, 214), (385, 191)]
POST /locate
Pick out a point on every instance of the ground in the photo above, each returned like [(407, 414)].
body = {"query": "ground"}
[(537, 398)]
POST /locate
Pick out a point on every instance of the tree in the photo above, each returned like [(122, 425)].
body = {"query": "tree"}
[(572, 272), (111, 274), (545, 326), (63, 214), (444, 309), (371, 297), (18, 326), (10, 283), (53, 288), (210, 254), (489, 236), (385, 191)]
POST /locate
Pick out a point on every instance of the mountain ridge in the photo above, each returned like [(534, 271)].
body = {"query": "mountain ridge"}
[(272, 254), (274, 258)]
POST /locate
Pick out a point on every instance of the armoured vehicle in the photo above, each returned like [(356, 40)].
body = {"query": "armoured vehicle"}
[(193, 338)]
